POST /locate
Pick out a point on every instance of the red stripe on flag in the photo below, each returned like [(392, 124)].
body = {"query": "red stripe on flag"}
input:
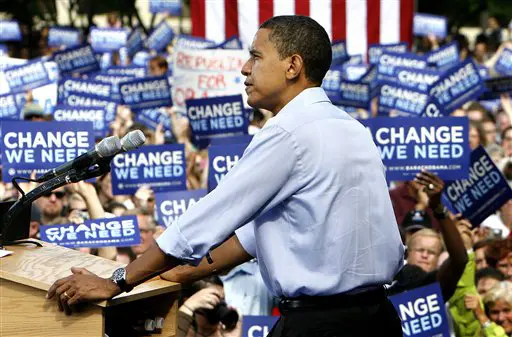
[(406, 17), (266, 10), (301, 7), (339, 19), (373, 21), (198, 14), (231, 18)]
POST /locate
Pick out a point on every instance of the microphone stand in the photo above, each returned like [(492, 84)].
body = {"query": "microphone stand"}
[(19, 206)]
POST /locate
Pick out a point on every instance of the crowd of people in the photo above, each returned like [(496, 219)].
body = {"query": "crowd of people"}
[(472, 262)]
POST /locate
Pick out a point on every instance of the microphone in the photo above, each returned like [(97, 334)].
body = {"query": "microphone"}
[(132, 140), (108, 147)]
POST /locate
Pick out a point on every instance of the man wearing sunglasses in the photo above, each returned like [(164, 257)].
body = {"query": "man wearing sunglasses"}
[(51, 205)]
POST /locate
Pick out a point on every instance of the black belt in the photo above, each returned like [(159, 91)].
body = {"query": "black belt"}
[(370, 296)]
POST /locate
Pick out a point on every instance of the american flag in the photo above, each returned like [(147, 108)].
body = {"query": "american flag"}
[(358, 22)]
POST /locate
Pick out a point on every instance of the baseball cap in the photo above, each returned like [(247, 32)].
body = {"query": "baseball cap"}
[(416, 220), (31, 110)]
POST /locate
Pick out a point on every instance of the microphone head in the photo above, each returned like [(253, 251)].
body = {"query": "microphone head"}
[(108, 146), (133, 140)]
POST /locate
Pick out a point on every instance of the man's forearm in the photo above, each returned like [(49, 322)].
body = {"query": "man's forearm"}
[(152, 263)]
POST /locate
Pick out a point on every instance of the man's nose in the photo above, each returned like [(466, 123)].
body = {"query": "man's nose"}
[(246, 69)]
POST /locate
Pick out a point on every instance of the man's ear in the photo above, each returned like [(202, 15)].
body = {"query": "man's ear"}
[(295, 67)]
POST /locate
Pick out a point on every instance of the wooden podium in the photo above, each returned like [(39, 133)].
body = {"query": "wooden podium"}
[(27, 274)]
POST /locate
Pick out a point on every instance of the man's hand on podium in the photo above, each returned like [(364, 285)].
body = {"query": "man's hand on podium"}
[(82, 286)]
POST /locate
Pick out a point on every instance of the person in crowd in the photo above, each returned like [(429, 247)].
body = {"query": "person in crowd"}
[(496, 153), (35, 222), (195, 315), (480, 55), (476, 135), (476, 112), (499, 255), (52, 205), (116, 208), (147, 228), (144, 200), (506, 141), (158, 66), (489, 127), (34, 113), (480, 247), (493, 33), (414, 221), (487, 278), (424, 248)]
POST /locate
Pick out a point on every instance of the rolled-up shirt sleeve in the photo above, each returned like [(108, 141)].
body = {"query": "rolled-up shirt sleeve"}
[(253, 186), (245, 236)]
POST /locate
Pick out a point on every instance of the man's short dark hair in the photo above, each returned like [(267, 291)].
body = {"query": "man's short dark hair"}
[(489, 272), (295, 34)]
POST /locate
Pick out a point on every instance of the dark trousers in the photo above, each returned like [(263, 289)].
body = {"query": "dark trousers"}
[(371, 317)]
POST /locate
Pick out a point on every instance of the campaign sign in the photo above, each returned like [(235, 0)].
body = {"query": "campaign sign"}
[(221, 159), (41, 146), (444, 57), (146, 93), (153, 117), (171, 205), (135, 41), (114, 81), (355, 93), (503, 65), (376, 50), (497, 86), (418, 79), (354, 72), (122, 231), (134, 71), (161, 167), (87, 101), (64, 113), (216, 117), (160, 37), (108, 39), (27, 76), (141, 58), (403, 100), (428, 24), (8, 107), (192, 42), (64, 36), (407, 145), (10, 30), (71, 85), (389, 60), (484, 72), (422, 312), (457, 86), (257, 326), (332, 83), (339, 52), (482, 193), (207, 73), (173, 7), (79, 59), (231, 43)]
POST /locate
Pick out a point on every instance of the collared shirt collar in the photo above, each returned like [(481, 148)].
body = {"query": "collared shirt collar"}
[(305, 97)]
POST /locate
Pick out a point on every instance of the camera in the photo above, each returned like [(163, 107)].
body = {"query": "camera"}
[(221, 313)]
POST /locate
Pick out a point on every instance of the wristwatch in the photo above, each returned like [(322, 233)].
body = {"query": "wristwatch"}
[(119, 278), (440, 212)]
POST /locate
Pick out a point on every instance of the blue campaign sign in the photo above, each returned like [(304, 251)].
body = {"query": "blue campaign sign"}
[(9, 108), (376, 50), (257, 326), (108, 39), (114, 81), (482, 193), (457, 86), (141, 58), (332, 83), (231, 43), (192, 42), (64, 36), (160, 37), (339, 52), (216, 117), (122, 231), (10, 30), (389, 60), (71, 85), (146, 93), (444, 57), (79, 59), (484, 72), (153, 117), (171, 205), (27, 76), (173, 7), (88, 101), (406, 101), (354, 72), (161, 167), (418, 79), (135, 41), (422, 312), (41, 146), (407, 145), (355, 93), (495, 87), (64, 113), (503, 65), (221, 159), (134, 71), (428, 24)]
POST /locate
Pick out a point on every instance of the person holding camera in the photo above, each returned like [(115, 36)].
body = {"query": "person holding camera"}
[(205, 312)]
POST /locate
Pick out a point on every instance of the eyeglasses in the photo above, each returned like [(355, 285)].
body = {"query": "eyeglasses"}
[(425, 250), (58, 194)]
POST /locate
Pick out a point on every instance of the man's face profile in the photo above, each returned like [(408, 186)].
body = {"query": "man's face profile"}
[(265, 73)]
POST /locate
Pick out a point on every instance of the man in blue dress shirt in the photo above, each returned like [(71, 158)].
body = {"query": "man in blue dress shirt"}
[(311, 192)]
